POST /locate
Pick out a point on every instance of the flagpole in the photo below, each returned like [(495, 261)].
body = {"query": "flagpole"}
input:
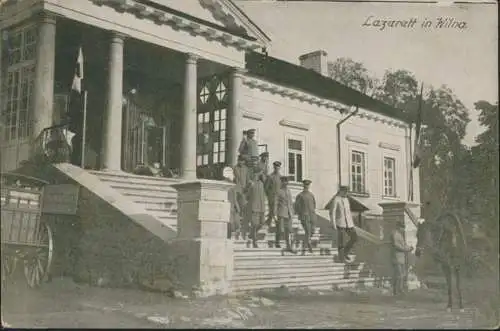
[(418, 126), (84, 127), (410, 187)]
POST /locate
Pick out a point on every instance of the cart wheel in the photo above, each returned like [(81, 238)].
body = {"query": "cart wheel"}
[(8, 267), (37, 266)]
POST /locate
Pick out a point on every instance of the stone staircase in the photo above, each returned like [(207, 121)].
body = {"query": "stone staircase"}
[(268, 268), (154, 194)]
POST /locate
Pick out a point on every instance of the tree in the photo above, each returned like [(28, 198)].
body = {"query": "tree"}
[(442, 170), (485, 166), (352, 74), (399, 89)]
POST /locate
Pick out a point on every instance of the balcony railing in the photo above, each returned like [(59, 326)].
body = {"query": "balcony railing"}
[(51, 145)]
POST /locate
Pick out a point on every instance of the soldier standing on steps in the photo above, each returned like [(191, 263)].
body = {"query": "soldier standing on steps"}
[(264, 163), (256, 205), (273, 186), (249, 149), (305, 208), (283, 209), (241, 172)]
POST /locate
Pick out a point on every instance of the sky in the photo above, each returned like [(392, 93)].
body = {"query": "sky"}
[(463, 59)]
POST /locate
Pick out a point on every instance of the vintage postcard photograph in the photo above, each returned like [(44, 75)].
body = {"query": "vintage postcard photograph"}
[(249, 164)]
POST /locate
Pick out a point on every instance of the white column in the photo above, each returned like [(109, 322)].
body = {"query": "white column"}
[(112, 152), (188, 142), (235, 116), (43, 94)]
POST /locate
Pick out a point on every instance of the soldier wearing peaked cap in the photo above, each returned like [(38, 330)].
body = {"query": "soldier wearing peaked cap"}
[(256, 206), (249, 149), (264, 163), (241, 172), (273, 186), (305, 207), (342, 221), (284, 212)]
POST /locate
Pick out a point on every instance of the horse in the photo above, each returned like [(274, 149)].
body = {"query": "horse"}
[(443, 239)]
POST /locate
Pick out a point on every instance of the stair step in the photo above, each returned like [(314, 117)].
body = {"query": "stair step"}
[(163, 213), (126, 185), (144, 190), (294, 282), (322, 285), (134, 178), (148, 195), (281, 260), (288, 264), (291, 274), (157, 205), (242, 250)]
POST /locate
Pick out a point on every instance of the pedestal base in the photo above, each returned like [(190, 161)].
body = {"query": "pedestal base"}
[(205, 266)]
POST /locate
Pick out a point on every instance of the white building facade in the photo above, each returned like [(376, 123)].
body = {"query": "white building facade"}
[(199, 75)]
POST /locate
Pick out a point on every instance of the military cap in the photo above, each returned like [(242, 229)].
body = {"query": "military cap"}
[(251, 131), (277, 163), (306, 182)]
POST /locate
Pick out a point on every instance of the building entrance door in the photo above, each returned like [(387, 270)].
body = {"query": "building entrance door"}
[(145, 138)]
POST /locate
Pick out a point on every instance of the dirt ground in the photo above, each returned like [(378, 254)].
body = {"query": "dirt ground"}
[(64, 304)]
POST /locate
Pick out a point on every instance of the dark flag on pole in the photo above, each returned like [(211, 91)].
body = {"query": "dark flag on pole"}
[(417, 157)]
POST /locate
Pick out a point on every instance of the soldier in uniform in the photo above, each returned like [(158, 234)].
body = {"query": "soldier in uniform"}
[(399, 251), (256, 205), (241, 172), (273, 186), (342, 221), (305, 207), (264, 163), (235, 214), (283, 209), (250, 151)]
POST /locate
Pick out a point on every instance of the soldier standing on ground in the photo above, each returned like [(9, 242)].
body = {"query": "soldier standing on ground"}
[(341, 220), (399, 251), (283, 209), (273, 186), (305, 207), (256, 206)]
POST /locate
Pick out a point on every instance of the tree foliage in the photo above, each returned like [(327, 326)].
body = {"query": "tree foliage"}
[(352, 74)]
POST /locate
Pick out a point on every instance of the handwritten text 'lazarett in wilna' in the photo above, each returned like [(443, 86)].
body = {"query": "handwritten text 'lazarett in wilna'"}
[(438, 23)]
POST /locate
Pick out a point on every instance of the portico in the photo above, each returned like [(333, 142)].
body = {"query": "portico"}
[(203, 55)]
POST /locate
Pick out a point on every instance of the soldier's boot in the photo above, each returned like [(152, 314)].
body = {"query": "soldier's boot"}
[(289, 247), (254, 237), (277, 237)]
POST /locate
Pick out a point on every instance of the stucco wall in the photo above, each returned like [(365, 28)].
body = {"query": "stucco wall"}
[(316, 124)]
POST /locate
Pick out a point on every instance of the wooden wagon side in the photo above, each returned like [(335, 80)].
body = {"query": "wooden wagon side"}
[(24, 236)]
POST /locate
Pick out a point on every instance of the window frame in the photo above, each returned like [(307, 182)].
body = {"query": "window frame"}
[(293, 177), (212, 106), (364, 152), (24, 68), (394, 175)]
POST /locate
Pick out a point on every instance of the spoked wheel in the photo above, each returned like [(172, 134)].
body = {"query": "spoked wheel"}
[(37, 265), (8, 266)]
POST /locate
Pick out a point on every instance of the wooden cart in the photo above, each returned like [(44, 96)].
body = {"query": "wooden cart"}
[(25, 237)]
